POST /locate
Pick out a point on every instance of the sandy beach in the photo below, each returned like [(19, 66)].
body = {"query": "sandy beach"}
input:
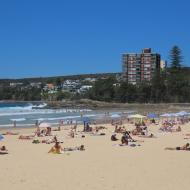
[(102, 166)]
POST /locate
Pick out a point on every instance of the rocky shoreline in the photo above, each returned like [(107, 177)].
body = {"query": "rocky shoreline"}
[(141, 108)]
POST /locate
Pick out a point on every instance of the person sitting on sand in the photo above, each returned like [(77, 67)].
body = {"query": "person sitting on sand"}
[(116, 129), (75, 127), (153, 121), (119, 130), (56, 149), (72, 134), (38, 132), (124, 140), (88, 128), (138, 130), (178, 129), (185, 147), (128, 136), (144, 131), (113, 137), (3, 150), (96, 129), (48, 132)]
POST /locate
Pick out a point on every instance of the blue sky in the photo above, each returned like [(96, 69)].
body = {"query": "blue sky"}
[(62, 37)]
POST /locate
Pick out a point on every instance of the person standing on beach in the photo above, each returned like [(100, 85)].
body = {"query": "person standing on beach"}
[(37, 124), (14, 124)]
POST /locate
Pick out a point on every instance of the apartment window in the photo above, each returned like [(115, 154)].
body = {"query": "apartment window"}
[(147, 65)]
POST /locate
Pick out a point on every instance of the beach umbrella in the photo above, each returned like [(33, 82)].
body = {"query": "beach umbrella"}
[(44, 125), (165, 115), (136, 116), (152, 115), (174, 115), (1, 137), (115, 116), (182, 113)]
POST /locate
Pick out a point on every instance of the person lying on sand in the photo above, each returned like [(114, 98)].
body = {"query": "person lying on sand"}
[(187, 134), (47, 141), (178, 129), (26, 137), (3, 150), (81, 148), (97, 134), (101, 127), (10, 133), (58, 129), (147, 136), (185, 147), (56, 149)]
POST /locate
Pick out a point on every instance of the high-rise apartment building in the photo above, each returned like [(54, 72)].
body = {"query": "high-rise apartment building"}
[(139, 67)]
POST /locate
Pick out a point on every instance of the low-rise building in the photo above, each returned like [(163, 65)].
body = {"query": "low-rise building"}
[(14, 84)]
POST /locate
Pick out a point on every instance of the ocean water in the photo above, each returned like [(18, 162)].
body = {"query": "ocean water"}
[(26, 114)]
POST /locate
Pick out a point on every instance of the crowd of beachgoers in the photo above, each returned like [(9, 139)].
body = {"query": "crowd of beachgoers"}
[(135, 136)]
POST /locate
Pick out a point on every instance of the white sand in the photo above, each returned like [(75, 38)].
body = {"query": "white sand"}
[(102, 166)]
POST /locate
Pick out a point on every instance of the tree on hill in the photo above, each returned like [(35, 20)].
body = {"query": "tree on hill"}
[(176, 58), (177, 81)]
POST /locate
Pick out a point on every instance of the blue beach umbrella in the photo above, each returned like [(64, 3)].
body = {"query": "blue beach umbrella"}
[(1, 137), (152, 115), (86, 119), (182, 113)]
